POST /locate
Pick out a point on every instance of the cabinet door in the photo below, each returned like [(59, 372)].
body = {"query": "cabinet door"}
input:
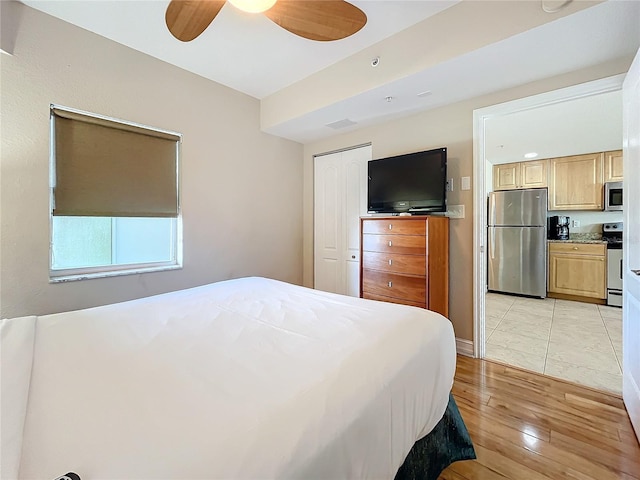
[(575, 183), (506, 176), (581, 275), (533, 174), (613, 166)]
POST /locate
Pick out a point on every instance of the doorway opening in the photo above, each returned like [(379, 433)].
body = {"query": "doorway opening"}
[(506, 315)]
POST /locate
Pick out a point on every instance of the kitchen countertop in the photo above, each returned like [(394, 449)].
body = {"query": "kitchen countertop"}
[(579, 240), (582, 238)]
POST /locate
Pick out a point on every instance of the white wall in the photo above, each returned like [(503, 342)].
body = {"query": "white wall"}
[(450, 126), (241, 189)]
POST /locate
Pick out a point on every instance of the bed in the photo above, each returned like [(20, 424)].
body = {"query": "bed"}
[(242, 379)]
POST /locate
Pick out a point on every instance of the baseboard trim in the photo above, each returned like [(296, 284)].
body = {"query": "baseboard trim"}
[(464, 347), (577, 298)]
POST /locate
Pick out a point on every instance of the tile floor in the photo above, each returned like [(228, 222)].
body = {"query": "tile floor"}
[(579, 342)]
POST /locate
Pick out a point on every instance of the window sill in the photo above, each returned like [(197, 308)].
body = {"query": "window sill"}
[(112, 273)]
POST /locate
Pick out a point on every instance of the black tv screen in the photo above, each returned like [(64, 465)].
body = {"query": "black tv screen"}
[(414, 183)]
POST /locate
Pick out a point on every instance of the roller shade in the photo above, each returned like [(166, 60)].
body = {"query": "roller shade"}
[(110, 169)]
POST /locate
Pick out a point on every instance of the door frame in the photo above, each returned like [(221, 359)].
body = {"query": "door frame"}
[(480, 117), (631, 282)]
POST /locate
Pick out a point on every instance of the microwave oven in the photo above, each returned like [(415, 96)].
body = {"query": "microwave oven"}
[(613, 196)]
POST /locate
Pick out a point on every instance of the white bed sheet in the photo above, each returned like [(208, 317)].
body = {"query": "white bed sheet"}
[(243, 379)]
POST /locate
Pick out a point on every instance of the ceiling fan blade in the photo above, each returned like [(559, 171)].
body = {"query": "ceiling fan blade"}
[(322, 20), (186, 19)]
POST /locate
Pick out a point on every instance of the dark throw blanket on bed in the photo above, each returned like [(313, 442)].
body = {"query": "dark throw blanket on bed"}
[(448, 442)]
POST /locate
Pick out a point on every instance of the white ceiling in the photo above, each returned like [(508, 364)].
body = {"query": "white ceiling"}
[(251, 54), (246, 52), (584, 125)]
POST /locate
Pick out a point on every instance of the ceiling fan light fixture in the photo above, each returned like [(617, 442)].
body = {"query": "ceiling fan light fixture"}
[(318, 20), (253, 6)]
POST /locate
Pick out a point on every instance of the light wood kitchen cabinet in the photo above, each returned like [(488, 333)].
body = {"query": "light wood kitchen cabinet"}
[(533, 174), (512, 176), (575, 183), (578, 270), (613, 166), (505, 176)]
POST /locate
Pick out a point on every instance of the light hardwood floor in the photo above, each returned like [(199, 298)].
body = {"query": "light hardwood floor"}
[(529, 426)]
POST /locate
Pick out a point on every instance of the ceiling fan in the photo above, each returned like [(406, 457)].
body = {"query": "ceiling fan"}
[(321, 20)]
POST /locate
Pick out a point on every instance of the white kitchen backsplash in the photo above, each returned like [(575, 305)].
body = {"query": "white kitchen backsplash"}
[(590, 222)]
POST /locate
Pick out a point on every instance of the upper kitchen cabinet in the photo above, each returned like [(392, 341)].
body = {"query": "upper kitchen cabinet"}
[(575, 183), (533, 174), (511, 176), (505, 176), (613, 166)]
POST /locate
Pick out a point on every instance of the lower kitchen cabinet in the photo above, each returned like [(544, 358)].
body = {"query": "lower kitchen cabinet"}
[(578, 270)]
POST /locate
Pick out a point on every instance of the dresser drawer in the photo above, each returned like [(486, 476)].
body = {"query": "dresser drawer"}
[(401, 301), (404, 244), (394, 263), (394, 226), (599, 249), (394, 285)]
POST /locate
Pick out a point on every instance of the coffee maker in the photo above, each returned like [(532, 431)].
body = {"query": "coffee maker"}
[(558, 228)]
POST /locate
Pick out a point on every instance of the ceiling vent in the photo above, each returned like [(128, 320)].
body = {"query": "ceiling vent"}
[(341, 124)]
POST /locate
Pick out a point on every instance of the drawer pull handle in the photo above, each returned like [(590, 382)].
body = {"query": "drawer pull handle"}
[(390, 243), (390, 262), (390, 226), (575, 248), (390, 284)]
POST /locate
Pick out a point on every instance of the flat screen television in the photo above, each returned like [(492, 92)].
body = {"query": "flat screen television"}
[(413, 183)]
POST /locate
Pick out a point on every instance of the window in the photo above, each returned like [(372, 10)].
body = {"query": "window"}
[(114, 197)]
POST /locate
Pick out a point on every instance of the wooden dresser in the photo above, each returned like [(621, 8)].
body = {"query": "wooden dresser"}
[(406, 260)]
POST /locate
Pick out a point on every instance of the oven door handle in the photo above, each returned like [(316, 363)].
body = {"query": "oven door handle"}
[(620, 269)]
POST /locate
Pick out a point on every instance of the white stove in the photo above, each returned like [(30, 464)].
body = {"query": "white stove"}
[(612, 233)]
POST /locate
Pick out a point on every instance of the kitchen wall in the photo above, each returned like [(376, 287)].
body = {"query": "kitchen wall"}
[(450, 126), (241, 189), (590, 222)]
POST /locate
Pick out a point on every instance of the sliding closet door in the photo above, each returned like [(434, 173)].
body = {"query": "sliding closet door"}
[(355, 173), (327, 207), (340, 198)]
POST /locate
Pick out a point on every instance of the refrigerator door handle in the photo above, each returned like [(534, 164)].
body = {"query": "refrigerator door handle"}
[(492, 242), (492, 209)]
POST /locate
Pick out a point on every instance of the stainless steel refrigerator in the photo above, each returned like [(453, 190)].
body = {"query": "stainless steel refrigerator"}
[(517, 242)]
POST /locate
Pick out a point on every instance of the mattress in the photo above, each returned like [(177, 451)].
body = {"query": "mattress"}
[(242, 379)]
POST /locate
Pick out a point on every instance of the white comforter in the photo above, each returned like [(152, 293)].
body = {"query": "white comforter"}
[(243, 379)]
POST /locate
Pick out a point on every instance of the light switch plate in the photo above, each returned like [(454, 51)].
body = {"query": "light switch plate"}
[(455, 211), (450, 185), (465, 183)]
